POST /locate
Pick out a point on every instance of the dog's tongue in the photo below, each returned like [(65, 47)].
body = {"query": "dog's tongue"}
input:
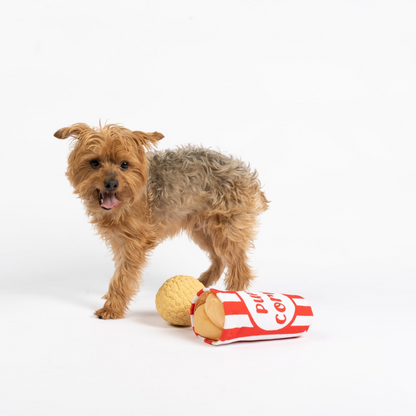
[(109, 200)]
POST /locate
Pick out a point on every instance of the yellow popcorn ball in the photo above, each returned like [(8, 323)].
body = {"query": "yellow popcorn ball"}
[(174, 299)]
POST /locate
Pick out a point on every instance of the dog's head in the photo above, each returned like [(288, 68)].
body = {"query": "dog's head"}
[(107, 166)]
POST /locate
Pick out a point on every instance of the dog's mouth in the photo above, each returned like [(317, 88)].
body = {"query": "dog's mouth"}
[(107, 200)]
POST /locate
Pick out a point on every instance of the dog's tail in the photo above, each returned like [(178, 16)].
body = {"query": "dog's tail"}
[(264, 202)]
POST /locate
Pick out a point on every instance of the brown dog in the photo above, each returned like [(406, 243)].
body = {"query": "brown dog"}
[(136, 198)]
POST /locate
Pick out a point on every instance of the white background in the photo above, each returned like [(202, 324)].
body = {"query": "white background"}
[(319, 97)]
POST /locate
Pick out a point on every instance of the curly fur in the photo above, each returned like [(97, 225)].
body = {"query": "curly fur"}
[(215, 198)]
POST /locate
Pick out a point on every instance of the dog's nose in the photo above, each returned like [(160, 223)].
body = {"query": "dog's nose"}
[(111, 185)]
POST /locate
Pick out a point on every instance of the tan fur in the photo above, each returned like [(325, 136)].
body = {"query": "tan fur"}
[(213, 197)]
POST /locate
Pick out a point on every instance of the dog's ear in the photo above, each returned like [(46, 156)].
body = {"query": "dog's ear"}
[(147, 140), (75, 130)]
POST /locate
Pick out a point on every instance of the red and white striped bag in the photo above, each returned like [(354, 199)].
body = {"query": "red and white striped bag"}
[(254, 316)]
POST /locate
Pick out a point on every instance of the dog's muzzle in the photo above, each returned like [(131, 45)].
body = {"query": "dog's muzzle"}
[(107, 200)]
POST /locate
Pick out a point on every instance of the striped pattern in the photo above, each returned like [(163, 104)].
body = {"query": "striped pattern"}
[(253, 316)]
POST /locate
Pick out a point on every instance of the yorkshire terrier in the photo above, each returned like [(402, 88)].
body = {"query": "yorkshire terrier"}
[(136, 198)]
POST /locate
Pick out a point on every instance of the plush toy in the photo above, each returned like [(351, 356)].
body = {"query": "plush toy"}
[(174, 299), (220, 317)]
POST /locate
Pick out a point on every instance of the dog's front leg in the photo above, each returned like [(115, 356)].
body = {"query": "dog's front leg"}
[(123, 285)]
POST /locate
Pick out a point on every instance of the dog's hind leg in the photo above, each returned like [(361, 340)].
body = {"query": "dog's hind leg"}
[(214, 272), (232, 239)]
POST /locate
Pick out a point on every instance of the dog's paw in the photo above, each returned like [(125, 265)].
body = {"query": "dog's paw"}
[(105, 313)]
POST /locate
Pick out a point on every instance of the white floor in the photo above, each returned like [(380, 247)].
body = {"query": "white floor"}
[(57, 358)]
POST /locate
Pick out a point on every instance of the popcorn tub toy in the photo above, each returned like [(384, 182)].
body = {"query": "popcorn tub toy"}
[(221, 317)]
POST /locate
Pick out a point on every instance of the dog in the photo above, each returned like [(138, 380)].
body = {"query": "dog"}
[(136, 197)]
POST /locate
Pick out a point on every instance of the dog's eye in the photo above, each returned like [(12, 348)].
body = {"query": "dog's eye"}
[(95, 163), (124, 165)]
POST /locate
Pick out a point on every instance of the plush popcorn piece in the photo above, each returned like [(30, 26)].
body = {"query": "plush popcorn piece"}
[(174, 299), (209, 316)]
